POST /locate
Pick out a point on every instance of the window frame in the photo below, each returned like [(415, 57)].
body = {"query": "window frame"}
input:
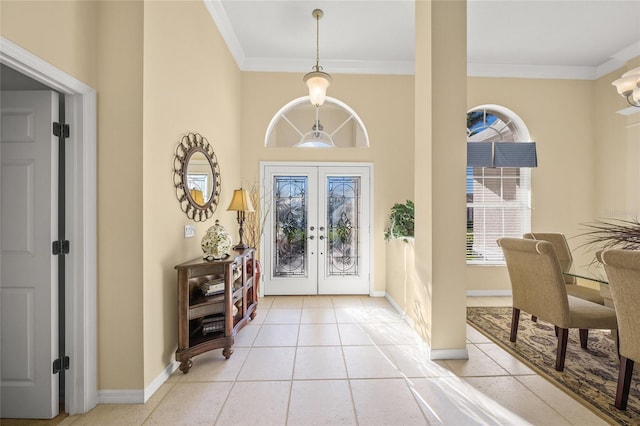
[(516, 131)]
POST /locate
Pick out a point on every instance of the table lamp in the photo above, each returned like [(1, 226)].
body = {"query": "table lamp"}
[(241, 202)]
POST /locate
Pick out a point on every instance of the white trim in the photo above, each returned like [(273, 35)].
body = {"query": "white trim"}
[(531, 71), (81, 296), (437, 354), (489, 293), (221, 19), (377, 293), (160, 379), (333, 66), (400, 311), (135, 396)]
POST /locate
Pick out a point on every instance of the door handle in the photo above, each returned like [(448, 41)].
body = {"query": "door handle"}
[(321, 237), (322, 228), (311, 228), (311, 237)]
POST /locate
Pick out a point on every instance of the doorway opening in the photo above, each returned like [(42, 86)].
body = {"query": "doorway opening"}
[(80, 384)]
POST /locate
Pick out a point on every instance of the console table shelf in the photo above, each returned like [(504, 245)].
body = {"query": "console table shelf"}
[(211, 322)]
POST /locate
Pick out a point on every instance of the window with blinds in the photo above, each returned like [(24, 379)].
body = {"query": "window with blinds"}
[(498, 198)]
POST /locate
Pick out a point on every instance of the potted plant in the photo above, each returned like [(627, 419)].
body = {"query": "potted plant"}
[(612, 233), (401, 221)]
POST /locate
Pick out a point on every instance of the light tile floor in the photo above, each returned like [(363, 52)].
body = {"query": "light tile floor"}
[(347, 360)]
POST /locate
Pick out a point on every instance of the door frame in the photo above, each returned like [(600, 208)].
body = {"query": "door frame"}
[(264, 199), (81, 394)]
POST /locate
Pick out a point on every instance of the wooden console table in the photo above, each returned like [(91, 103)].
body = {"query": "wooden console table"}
[(211, 322)]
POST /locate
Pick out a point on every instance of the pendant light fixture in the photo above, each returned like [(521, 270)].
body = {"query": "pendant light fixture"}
[(317, 137), (317, 80), (628, 86)]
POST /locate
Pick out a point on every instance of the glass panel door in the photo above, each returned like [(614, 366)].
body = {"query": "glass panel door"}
[(316, 238)]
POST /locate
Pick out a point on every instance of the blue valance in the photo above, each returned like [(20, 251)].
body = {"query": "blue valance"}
[(501, 154)]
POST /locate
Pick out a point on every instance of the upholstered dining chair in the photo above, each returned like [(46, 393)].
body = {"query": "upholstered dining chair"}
[(538, 288), (565, 258), (623, 271)]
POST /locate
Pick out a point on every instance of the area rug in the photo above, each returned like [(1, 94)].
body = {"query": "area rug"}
[(590, 375)]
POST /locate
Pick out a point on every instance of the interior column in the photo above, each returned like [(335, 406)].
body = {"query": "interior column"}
[(440, 148)]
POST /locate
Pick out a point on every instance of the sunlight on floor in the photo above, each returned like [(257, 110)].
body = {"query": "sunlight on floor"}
[(347, 360)]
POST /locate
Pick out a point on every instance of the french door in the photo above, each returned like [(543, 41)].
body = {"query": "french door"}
[(317, 229)]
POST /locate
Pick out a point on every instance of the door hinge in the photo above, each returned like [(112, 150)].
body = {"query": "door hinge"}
[(60, 364), (61, 130), (61, 247)]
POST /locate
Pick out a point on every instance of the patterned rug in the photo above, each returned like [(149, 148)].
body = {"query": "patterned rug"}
[(590, 375)]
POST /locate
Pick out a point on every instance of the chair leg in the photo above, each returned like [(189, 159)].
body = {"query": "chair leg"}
[(515, 320), (624, 382), (584, 337), (534, 318), (563, 335)]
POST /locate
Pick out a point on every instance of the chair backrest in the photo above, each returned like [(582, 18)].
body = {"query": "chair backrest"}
[(623, 272), (536, 279), (561, 247)]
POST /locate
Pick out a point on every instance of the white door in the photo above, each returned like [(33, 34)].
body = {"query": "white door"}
[(317, 232), (28, 285)]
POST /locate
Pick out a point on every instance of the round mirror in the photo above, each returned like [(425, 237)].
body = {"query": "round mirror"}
[(196, 177)]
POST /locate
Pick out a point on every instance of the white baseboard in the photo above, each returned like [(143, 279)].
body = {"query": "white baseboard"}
[(378, 293), (121, 396), (436, 354), (400, 312), (488, 293), (160, 379), (137, 396), (394, 304)]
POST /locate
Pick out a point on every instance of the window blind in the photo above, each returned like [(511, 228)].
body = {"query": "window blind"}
[(498, 205)]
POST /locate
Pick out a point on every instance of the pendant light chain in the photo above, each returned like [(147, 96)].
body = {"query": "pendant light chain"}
[(318, 14)]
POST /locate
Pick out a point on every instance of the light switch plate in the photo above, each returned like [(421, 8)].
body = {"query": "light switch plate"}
[(189, 231)]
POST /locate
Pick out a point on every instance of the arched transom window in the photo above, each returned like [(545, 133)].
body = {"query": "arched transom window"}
[(498, 198), (333, 125)]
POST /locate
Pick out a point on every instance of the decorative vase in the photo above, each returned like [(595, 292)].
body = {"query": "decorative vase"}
[(216, 243)]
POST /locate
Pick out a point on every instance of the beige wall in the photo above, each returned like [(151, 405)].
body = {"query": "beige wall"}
[(120, 245), (384, 103), (191, 84), (559, 115), (617, 145), (587, 156), (70, 47)]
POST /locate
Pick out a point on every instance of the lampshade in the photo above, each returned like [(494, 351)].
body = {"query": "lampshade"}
[(628, 86), (317, 82), (241, 201)]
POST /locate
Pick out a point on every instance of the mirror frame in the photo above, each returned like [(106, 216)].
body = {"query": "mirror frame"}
[(190, 144)]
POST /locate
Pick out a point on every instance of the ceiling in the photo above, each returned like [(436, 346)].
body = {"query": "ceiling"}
[(519, 38)]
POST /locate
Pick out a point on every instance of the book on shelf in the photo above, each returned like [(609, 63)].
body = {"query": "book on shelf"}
[(212, 324), (213, 287)]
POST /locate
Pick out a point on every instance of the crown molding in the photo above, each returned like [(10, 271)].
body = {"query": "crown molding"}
[(244, 63)]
